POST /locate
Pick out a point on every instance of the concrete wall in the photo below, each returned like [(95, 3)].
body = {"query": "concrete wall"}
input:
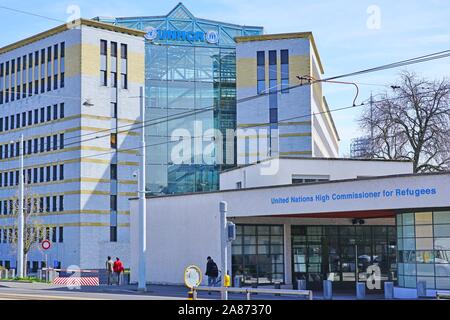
[(280, 172), (184, 230)]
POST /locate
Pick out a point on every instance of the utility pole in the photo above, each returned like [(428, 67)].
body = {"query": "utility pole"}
[(20, 218), (223, 208), (371, 125), (142, 280)]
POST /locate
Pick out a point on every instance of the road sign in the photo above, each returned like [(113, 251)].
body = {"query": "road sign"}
[(192, 276), (46, 244)]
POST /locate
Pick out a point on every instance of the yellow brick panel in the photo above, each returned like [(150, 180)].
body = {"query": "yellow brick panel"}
[(298, 66), (90, 64), (246, 73), (136, 67), (73, 61)]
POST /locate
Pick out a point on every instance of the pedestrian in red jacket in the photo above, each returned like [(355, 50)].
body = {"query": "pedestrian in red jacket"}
[(118, 269)]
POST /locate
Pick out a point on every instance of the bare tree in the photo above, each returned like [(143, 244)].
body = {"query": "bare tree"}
[(34, 230), (412, 123)]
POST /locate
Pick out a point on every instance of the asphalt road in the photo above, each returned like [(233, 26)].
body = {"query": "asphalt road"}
[(25, 291)]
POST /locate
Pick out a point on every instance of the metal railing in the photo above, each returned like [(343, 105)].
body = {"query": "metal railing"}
[(443, 295), (249, 291)]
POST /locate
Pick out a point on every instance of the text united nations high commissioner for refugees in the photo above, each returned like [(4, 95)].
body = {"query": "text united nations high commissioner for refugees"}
[(395, 193)]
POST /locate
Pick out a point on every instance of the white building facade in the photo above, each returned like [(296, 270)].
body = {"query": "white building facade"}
[(73, 93), (395, 222), (281, 111)]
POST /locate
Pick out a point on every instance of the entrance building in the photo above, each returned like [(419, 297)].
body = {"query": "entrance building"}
[(345, 226)]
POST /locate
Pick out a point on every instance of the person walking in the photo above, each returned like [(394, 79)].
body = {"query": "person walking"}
[(212, 272), (118, 269), (109, 270)]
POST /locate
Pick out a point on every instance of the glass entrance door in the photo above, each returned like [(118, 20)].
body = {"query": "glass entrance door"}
[(342, 254)]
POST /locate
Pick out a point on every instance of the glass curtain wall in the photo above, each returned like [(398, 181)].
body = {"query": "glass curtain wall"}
[(258, 254), (424, 249), (342, 253), (194, 88)]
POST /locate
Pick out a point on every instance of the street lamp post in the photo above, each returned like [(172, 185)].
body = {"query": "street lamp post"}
[(20, 217), (142, 281)]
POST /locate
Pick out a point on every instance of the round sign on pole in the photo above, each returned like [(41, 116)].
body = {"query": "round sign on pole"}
[(192, 276), (46, 244)]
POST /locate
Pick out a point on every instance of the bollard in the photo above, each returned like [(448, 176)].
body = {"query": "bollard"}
[(255, 286), (301, 284), (238, 281), (12, 273), (360, 290), (421, 289), (389, 290), (327, 290), (278, 287)]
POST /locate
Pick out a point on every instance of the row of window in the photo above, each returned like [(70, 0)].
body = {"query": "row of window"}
[(261, 71), (35, 205), (33, 73), (33, 146), (32, 117), (33, 175), (114, 64), (35, 234)]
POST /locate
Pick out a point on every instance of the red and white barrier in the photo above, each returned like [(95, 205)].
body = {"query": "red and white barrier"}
[(77, 281)]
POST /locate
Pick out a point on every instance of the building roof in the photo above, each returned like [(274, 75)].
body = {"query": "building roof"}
[(312, 158), (285, 36), (68, 26), (407, 175), (180, 7)]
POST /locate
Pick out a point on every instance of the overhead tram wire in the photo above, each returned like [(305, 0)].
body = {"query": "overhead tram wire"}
[(262, 124), (424, 58)]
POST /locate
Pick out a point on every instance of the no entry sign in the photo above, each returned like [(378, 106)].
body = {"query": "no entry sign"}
[(46, 244)]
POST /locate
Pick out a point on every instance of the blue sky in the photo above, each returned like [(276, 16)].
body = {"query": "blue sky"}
[(345, 43)]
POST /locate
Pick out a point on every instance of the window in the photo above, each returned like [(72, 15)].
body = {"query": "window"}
[(55, 173), (61, 111), (114, 79), (61, 203), (30, 117), (47, 174), (61, 141), (239, 185), (47, 204), (103, 63), (42, 115), (103, 47), (123, 81), (55, 112), (61, 172), (113, 140), (103, 78), (55, 142), (258, 253), (113, 171), (61, 235), (41, 174), (36, 116), (49, 143), (114, 110), (113, 200), (113, 234), (123, 51), (54, 204), (54, 234), (284, 71), (113, 49), (261, 71), (49, 113), (41, 144)]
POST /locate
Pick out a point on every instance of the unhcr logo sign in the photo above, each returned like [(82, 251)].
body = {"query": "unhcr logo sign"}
[(176, 35)]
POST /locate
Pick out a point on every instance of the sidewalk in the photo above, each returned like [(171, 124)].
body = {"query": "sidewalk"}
[(174, 291)]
